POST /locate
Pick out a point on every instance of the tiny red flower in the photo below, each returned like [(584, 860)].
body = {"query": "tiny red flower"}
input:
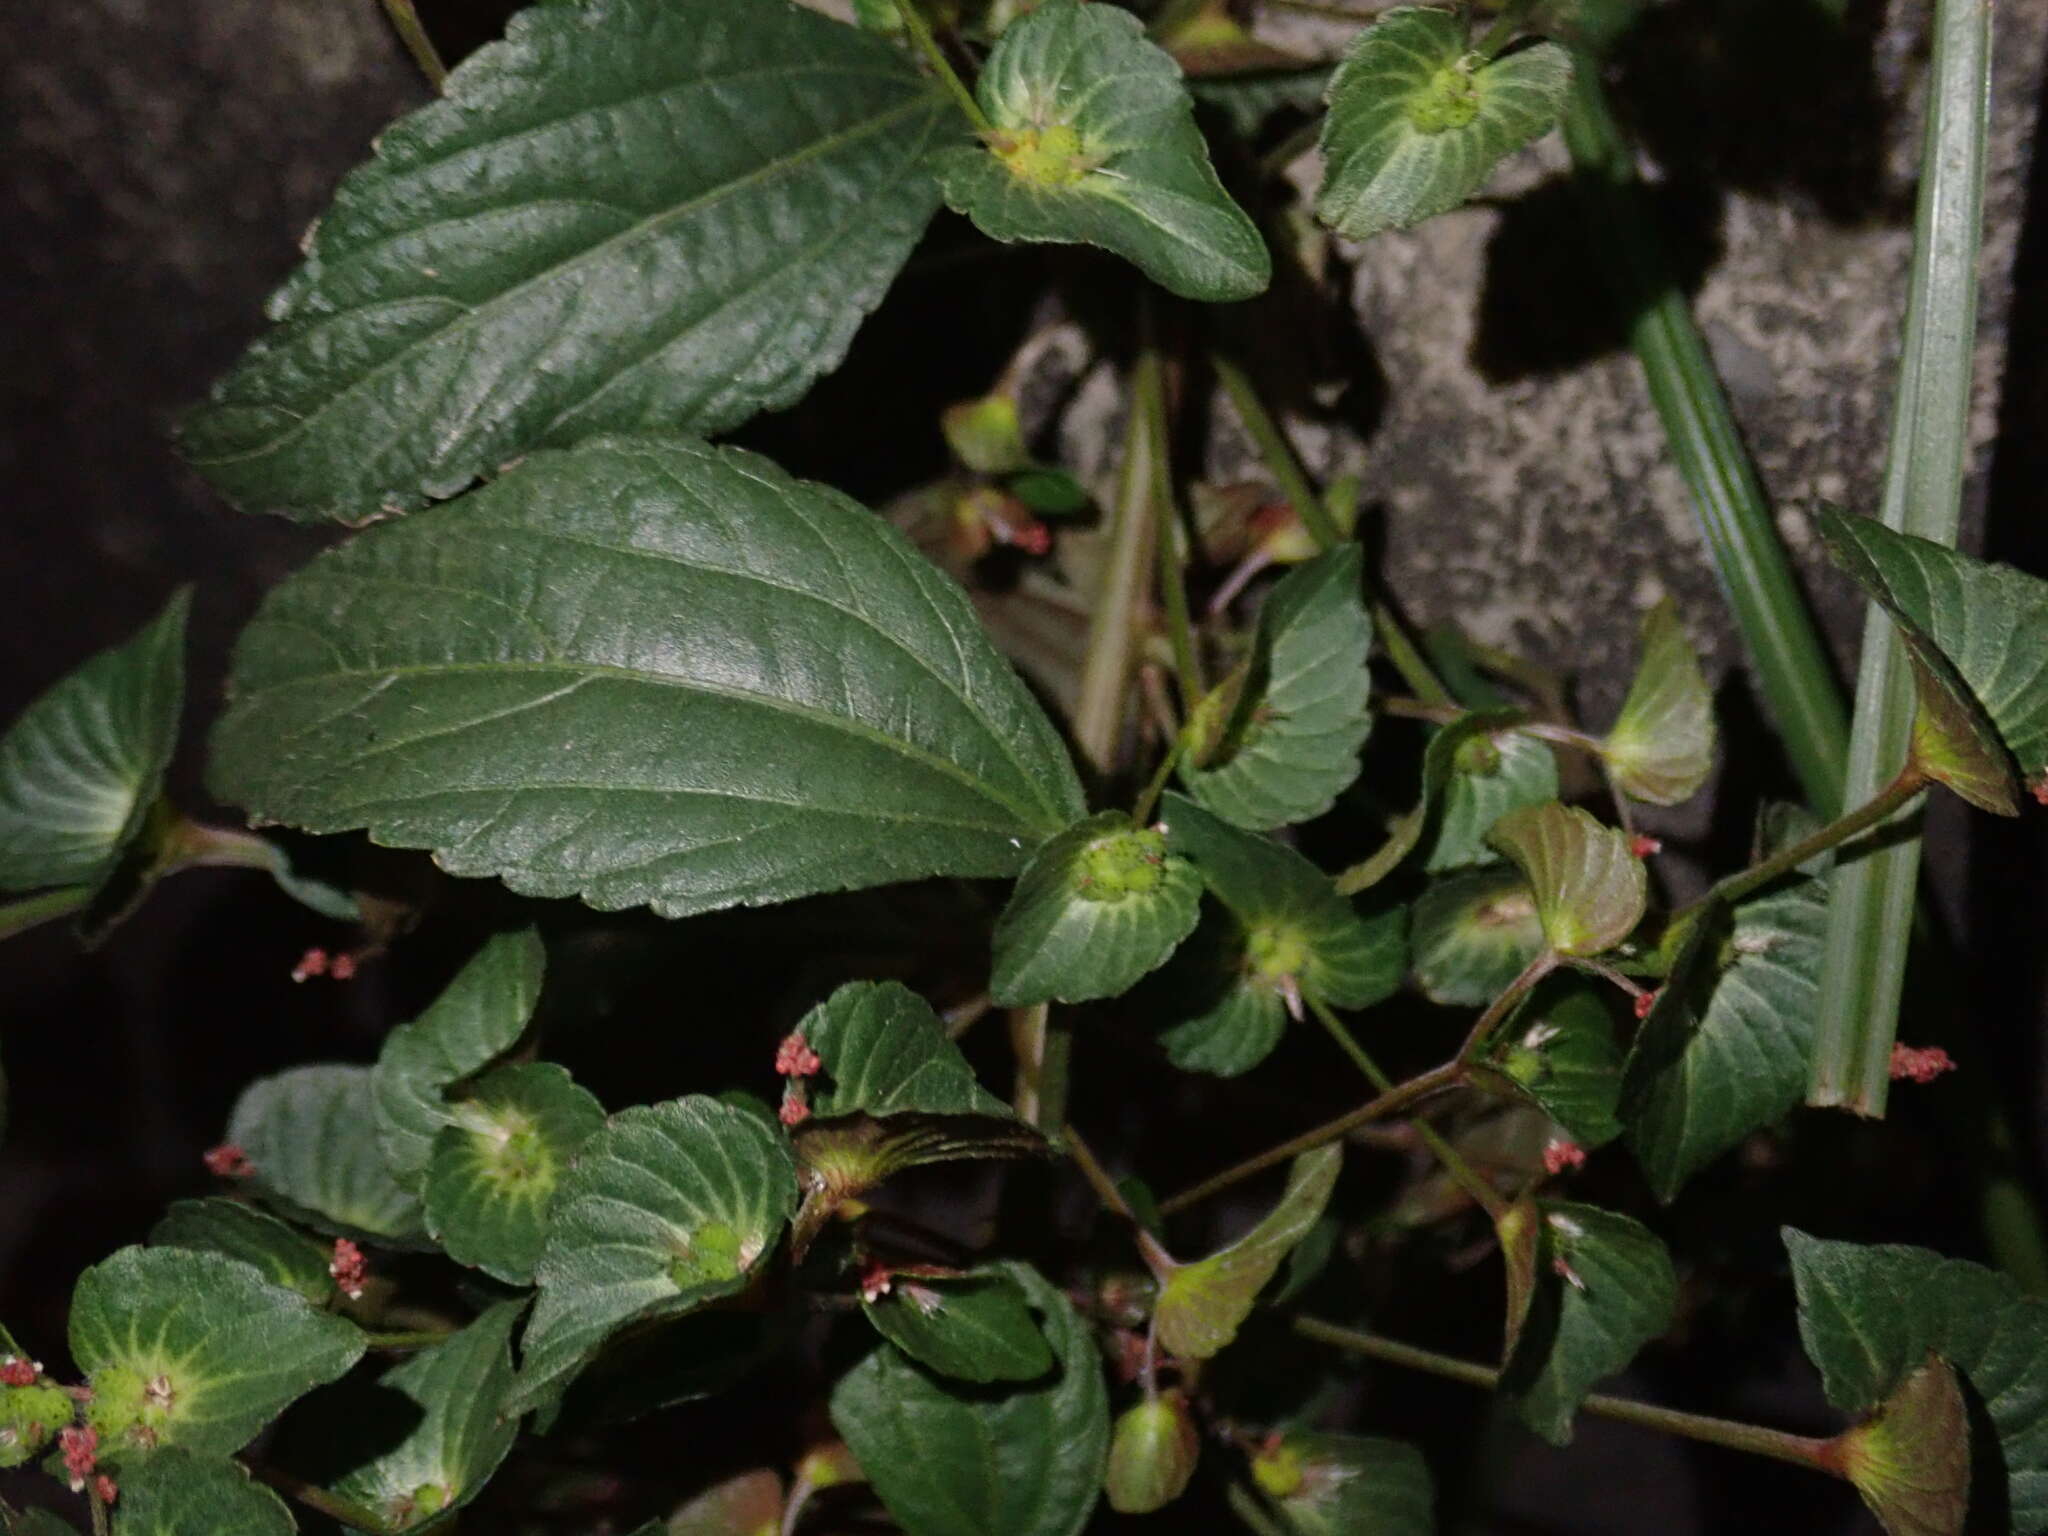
[(1567, 1274), (229, 1161), (1920, 1065), (312, 963), (795, 1058), (107, 1491), (342, 967), (874, 1281), (2041, 791), (349, 1268), (1642, 846), (17, 1372), (1645, 1001), (795, 1109), (81, 1444), (1560, 1155)]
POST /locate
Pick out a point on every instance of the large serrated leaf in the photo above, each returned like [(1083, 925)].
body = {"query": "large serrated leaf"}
[(458, 1432), (1725, 1048), (1202, 1304), (1493, 771), (1615, 1291), (1661, 746), (1589, 887), (1417, 122), (82, 767), (629, 215), (1347, 1485), (951, 1460), (1096, 909), (976, 1328), (669, 1206), (311, 1141), (284, 1255), (645, 672), (1977, 630), (477, 1018), (1291, 744), (196, 1349), (173, 1492), (1095, 143), (1870, 1316)]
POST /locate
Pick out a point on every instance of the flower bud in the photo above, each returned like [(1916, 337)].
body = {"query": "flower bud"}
[(1152, 1454)]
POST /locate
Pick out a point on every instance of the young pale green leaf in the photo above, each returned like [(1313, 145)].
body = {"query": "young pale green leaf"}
[(1291, 744), (1418, 121), (478, 1017), (886, 1053), (1661, 746), (1911, 1459), (746, 1504), (629, 215), (1978, 631), (1492, 772), (667, 1207), (645, 672), (1233, 1033), (1153, 1449), (1614, 1293), (1298, 931), (1202, 1304), (175, 1492), (310, 1135), (952, 1460), (1095, 144), (1472, 935), (1098, 907), (495, 1168), (1559, 1053), (978, 1328), (1870, 1316), (1589, 887), (82, 767), (1724, 1050), (459, 1431), (196, 1349), (284, 1255), (1347, 1485), (1440, 795)]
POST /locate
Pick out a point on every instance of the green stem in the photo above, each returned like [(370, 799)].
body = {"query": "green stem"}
[(1509, 999), (421, 1338), (1504, 27), (921, 33), (1150, 397), (1408, 660), (1141, 810), (314, 1497), (98, 1505), (20, 916), (1245, 1505), (1870, 902), (1791, 664), (1800, 1450), (1276, 452), (406, 22), (1097, 1176), (1042, 1051)]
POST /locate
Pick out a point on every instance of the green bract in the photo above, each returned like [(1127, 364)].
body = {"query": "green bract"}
[(311, 1143), (283, 1254), (1588, 885), (174, 1492), (1661, 746), (1347, 1485)]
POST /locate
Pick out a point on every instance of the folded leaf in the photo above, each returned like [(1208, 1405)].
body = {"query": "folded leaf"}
[(629, 215), (311, 1139), (1472, 935), (1589, 886), (284, 1255), (174, 1492), (1661, 746), (1153, 1450), (1560, 1054), (645, 672), (1095, 143), (1234, 1033), (976, 1328)]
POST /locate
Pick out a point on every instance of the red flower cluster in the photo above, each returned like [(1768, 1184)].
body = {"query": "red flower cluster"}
[(17, 1372), (1560, 1155), (81, 1447), (1918, 1065), (795, 1058), (229, 1161), (349, 1268), (1645, 1001), (1642, 845)]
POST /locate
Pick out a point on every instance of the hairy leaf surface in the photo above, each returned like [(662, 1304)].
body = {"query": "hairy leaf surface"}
[(976, 1328), (310, 1136), (174, 1492), (283, 1254)]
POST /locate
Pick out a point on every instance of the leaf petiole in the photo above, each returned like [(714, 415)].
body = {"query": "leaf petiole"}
[(921, 33), (405, 21)]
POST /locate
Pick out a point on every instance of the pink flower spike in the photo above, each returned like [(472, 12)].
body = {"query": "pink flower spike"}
[(229, 1161), (312, 963), (1560, 1155), (80, 1444), (1645, 1001), (349, 1268), (1918, 1065), (795, 1109), (104, 1486), (342, 967), (2041, 792), (795, 1058), (1643, 846)]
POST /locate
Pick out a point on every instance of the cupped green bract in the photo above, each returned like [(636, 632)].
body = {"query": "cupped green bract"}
[(310, 1135), (175, 1492), (1472, 935), (645, 672), (478, 1017), (1291, 743), (1235, 1029), (1095, 144), (1348, 1485), (1492, 771), (1661, 746), (1560, 1054), (1910, 1460), (284, 1255), (82, 767), (1097, 908), (1589, 886), (1202, 1304), (975, 1328), (196, 1349), (1418, 122), (667, 1207), (629, 215), (955, 1459), (498, 1163)]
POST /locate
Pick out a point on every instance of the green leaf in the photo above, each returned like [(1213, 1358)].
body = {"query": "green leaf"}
[(1559, 1053), (1291, 744), (645, 672), (1869, 1316), (35, 1522), (1441, 794), (173, 1492), (1347, 1485), (1725, 1048), (1298, 930), (196, 1349), (629, 215), (1472, 935), (669, 1206), (1579, 1334), (458, 1429), (949, 1460), (1233, 1034), (310, 1134), (81, 769), (1153, 1449), (1202, 1304), (1418, 122), (743, 1505), (1978, 631), (1098, 907), (886, 1053), (496, 1167), (1911, 1459), (1493, 772), (978, 1328), (284, 1255), (1589, 886), (1095, 144), (478, 1017), (1661, 747)]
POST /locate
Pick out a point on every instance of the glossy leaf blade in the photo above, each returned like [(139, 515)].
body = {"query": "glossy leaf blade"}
[(1589, 886), (645, 672), (978, 1328), (1095, 143), (173, 1492), (629, 215), (975, 1461), (81, 768), (1661, 746), (282, 1254), (310, 1138)]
